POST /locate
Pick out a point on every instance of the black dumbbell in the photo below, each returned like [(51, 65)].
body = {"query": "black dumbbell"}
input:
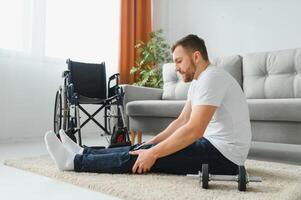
[(241, 178)]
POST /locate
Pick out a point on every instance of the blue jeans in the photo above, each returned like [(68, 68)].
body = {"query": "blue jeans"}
[(185, 161)]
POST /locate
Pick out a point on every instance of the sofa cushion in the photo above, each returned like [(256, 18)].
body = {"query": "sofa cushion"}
[(275, 109), (272, 75), (175, 89), (155, 108), (232, 64)]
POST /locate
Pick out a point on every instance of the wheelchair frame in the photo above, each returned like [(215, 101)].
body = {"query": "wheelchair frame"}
[(67, 111)]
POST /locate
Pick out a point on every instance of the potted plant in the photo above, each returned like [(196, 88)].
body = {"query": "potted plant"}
[(151, 56)]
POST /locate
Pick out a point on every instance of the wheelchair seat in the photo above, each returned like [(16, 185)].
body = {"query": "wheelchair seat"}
[(88, 100)]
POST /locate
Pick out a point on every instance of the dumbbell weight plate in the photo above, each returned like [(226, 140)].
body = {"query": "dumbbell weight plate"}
[(205, 176), (242, 180)]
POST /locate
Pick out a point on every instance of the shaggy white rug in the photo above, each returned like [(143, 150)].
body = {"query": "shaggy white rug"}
[(280, 181)]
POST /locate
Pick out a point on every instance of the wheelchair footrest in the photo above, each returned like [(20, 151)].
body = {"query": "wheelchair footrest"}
[(95, 147)]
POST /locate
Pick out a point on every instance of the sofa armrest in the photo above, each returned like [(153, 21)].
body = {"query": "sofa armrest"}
[(133, 93)]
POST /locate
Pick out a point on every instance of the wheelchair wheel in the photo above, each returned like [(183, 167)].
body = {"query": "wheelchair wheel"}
[(65, 112), (57, 112)]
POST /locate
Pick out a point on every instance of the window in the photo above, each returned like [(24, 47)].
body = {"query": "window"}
[(12, 24), (86, 31), (83, 30)]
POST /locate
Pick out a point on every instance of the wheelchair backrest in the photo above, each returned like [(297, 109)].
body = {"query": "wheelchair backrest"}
[(89, 79)]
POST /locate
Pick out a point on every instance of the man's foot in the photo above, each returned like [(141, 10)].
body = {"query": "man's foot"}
[(70, 144), (61, 155)]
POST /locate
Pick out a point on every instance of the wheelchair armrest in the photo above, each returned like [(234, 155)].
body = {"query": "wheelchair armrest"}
[(65, 73), (114, 76), (113, 90)]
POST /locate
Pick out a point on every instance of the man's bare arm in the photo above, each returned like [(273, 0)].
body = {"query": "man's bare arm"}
[(186, 134), (176, 124)]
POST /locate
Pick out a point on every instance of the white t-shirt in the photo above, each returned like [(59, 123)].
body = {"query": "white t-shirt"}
[(229, 130)]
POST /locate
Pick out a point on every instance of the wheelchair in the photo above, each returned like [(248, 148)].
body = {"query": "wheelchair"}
[(85, 83)]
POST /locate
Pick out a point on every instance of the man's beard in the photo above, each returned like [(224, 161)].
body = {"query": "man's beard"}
[(189, 77)]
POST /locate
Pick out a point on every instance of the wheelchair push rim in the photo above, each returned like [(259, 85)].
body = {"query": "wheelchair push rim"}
[(57, 112)]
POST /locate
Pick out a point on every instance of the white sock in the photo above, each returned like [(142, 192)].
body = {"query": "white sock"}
[(70, 144), (61, 155)]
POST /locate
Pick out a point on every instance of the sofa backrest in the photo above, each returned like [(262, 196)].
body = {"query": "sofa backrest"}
[(274, 74), (175, 89)]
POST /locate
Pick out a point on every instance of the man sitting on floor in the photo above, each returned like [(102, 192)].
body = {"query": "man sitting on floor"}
[(213, 127)]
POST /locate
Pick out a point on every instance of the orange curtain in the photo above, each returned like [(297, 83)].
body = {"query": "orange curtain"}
[(136, 24)]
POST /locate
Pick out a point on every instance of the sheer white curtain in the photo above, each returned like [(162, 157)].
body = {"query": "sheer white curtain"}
[(82, 30), (36, 38)]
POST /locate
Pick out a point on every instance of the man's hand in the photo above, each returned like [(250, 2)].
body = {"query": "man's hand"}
[(144, 162)]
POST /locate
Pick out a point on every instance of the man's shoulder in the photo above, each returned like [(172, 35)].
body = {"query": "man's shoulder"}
[(213, 74)]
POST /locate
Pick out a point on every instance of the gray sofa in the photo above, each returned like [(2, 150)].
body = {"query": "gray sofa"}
[(271, 82)]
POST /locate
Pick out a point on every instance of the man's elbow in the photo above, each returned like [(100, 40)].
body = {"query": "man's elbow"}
[(196, 133), (178, 122), (182, 120)]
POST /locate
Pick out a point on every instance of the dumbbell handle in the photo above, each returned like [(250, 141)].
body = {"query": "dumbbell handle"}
[(222, 178), (254, 179), (227, 177), (233, 178)]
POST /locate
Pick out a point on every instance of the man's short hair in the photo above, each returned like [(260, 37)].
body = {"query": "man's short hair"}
[(194, 43)]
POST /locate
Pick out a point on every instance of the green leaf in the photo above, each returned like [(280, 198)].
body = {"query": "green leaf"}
[(151, 56), (133, 70)]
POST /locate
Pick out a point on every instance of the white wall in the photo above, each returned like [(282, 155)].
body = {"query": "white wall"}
[(232, 26), (27, 97)]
